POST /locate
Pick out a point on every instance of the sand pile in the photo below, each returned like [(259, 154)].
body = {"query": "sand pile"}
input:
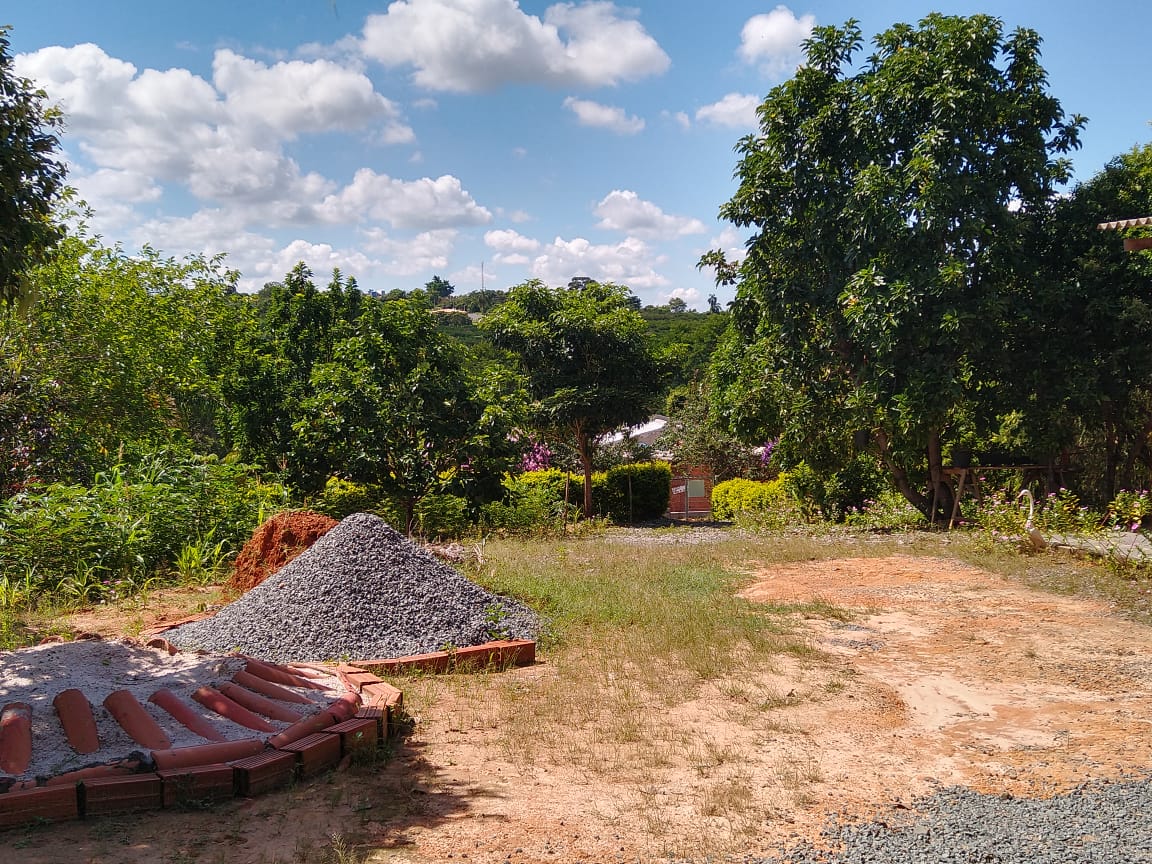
[(275, 543)]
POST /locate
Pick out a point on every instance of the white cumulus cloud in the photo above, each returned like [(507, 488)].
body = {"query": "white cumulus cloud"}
[(292, 97), (407, 256), (505, 240), (630, 262), (736, 110), (222, 141), (625, 211), (590, 113), (474, 45), (772, 40), (421, 204)]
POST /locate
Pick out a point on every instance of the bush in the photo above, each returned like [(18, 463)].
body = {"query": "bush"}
[(852, 487), (132, 525), (441, 516), (341, 498), (734, 498), (534, 504), (534, 500), (633, 493), (889, 511)]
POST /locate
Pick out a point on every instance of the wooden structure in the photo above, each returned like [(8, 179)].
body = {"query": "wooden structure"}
[(967, 479), (1131, 244), (691, 493)]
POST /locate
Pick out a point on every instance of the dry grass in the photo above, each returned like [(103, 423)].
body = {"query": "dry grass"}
[(649, 653), (679, 706)]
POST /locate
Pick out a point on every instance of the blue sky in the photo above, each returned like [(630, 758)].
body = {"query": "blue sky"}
[(403, 140)]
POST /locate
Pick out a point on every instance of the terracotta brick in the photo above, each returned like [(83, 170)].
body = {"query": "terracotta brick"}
[(317, 753), (119, 794), (357, 678), (50, 803), (200, 783), (115, 769), (502, 653), (358, 734), (379, 714), (264, 771), (380, 695)]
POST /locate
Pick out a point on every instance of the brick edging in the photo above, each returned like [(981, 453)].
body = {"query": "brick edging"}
[(363, 719), (122, 787)]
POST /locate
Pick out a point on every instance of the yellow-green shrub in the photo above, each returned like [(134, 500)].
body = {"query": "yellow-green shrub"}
[(734, 497)]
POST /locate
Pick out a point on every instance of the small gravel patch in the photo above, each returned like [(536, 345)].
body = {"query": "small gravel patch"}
[(1100, 822), (363, 591)]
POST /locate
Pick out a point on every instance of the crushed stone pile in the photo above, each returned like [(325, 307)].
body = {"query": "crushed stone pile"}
[(363, 591), (276, 542)]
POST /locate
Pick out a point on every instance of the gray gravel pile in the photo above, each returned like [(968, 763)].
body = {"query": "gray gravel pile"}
[(1102, 822), (362, 591)]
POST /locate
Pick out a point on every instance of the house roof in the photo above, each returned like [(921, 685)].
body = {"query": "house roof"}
[(1125, 223), (645, 433)]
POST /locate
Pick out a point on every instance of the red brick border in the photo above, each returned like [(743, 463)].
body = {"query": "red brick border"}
[(203, 772)]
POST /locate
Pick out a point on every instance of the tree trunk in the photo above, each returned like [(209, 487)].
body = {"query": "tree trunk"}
[(1136, 454), (1112, 454), (900, 476), (584, 447), (936, 481), (409, 516)]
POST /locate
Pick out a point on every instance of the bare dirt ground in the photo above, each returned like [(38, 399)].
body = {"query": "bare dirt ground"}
[(941, 674)]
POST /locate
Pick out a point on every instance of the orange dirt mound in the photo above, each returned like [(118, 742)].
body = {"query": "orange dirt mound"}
[(275, 543)]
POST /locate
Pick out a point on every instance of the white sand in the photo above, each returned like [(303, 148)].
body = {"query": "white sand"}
[(97, 668)]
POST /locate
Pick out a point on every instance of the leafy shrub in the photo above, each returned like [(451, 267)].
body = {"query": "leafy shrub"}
[(439, 516), (133, 524), (633, 492), (733, 498), (1062, 513), (1128, 509), (534, 500), (534, 504), (889, 511), (342, 498), (552, 480), (852, 487), (806, 488), (1001, 515)]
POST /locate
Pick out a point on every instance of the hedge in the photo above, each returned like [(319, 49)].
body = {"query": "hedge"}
[(733, 497)]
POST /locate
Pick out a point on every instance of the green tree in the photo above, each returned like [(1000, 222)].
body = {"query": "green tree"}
[(890, 201), (587, 358), (693, 437), (438, 289), (31, 176), (395, 407), (270, 375), (1083, 344), (122, 352)]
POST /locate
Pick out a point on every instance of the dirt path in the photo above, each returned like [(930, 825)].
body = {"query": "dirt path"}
[(942, 674), (962, 677)]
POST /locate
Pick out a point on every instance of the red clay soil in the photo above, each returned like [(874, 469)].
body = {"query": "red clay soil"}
[(275, 543)]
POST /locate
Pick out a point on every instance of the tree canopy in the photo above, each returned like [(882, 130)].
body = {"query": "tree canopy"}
[(31, 176), (587, 358), (890, 201)]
